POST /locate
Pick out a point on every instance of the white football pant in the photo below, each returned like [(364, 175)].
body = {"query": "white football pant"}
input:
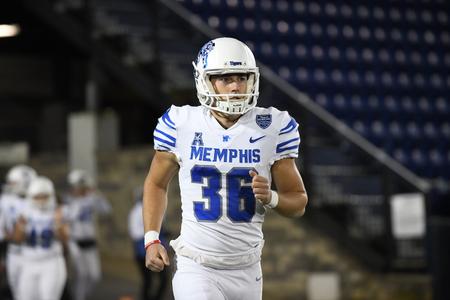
[(42, 279), (88, 272), (13, 269), (193, 281)]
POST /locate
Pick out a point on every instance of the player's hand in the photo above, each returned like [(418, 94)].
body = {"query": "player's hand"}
[(156, 258), (261, 187), (58, 216), (18, 235), (21, 223)]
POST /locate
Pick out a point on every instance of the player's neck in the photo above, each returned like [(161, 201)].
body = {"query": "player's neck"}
[(225, 120)]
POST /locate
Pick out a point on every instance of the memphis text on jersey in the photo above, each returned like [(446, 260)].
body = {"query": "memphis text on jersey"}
[(226, 155)]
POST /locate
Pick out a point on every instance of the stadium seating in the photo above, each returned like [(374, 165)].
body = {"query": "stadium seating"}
[(381, 67)]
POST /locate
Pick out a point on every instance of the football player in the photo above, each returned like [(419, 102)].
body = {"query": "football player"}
[(41, 230), (83, 202), (226, 152), (12, 201)]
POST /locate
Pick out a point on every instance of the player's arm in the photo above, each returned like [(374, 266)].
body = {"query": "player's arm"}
[(19, 234), (164, 166), (61, 227), (102, 205), (292, 197)]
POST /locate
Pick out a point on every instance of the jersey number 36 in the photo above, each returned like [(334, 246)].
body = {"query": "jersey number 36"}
[(240, 200)]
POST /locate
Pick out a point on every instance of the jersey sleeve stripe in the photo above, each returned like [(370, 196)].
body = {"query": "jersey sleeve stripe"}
[(165, 134), (162, 147), (281, 145), (279, 150), (292, 125), (166, 119), (172, 144)]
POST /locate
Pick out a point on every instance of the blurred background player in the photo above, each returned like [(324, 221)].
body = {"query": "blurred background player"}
[(83, 202), (153, 285), (12, 202), (41, 230)]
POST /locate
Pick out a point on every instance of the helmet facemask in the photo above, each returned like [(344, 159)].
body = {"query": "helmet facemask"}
[(43, 202), (41, 193), (227, 103)]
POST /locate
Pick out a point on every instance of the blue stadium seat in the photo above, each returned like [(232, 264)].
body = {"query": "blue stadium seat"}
[(401, 156), (361, 128), (419, 162)]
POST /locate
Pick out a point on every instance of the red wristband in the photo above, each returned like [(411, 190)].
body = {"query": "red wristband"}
[(151, 243)]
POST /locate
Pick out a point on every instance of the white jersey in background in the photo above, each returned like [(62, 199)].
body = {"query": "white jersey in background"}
[(222, 221), (81, 212), (44, 271), (136, 222), (41, 242), (11, 207)]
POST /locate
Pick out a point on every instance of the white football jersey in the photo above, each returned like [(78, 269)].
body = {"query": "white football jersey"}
[(40, 242), (80, 211), (135, 222), (11, 206), (219, 210)]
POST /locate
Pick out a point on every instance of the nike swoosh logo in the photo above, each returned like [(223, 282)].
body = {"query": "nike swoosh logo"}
[(252, 140), (258, 278)]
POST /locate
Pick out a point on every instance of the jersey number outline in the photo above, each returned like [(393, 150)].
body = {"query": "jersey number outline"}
[(241, 202)]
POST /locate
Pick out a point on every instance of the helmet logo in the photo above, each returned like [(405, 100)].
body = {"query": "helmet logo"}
[(235, 63), (204, 52)]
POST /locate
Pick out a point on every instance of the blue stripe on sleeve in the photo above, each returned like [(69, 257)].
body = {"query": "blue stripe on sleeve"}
[(172, 144), (165, 134), (280, 145), (287, 148), (292, 125), (163, 147), (166, 119)]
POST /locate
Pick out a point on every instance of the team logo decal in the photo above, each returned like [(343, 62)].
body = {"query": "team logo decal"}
[(198, 140), (204, 52), (263, 121), (235, 63)]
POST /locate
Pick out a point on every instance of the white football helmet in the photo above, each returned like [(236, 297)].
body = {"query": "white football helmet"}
[(18, 179), (41, 193), (226, 56), (80, 178)]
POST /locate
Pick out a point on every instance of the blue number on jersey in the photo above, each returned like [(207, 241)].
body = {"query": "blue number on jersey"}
[(45, 239), (211, 192), (240, 199), (85, 214)]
